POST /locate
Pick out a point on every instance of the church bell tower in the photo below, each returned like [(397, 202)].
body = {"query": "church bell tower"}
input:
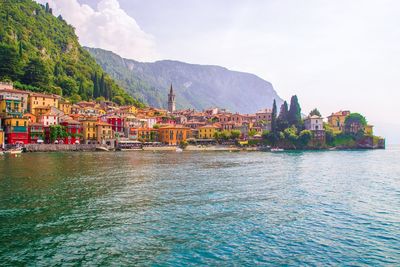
[(171, 100)]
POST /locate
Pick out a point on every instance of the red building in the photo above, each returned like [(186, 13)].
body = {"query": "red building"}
[(165, 120), (36, 132), (16, 130), (74, 131), (117, 124)]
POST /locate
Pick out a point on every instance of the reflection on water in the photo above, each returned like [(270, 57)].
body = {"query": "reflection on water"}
[(166, 208)]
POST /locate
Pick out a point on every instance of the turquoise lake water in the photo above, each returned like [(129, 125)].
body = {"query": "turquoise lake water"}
[(201, 208)]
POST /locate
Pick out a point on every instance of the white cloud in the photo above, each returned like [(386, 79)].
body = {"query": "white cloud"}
[(108, 27)]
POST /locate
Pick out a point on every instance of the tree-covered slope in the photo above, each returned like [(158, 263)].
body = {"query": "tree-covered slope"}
[(196, 86), (39, 51)]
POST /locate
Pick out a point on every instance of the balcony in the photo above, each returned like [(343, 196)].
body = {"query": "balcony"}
[(16, 129)]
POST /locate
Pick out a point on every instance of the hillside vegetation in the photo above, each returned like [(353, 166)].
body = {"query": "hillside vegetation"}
[(41, 52)]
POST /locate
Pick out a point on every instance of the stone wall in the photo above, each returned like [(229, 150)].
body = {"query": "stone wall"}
[(59, 147)]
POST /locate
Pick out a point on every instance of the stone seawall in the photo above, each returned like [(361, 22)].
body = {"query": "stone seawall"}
[(59, 147)]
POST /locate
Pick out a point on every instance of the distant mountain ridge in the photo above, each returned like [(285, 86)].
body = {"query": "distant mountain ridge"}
[(196, 86)]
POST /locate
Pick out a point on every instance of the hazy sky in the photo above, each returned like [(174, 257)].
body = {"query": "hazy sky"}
[(333, 54)]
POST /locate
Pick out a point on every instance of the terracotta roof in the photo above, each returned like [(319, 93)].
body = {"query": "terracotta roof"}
[(44, 95), (340, 113), (14, 91)]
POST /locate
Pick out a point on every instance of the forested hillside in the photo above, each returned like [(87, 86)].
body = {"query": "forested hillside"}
[(40, 52)]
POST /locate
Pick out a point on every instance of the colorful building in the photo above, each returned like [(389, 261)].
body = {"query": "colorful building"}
[(16, 130), (207, 132), (264, 115), (42, 100), (36, 132), (49, 118), (148, 135), (89, 130), (1, 138), (369, 130), (173, 135), (104, 133), (7, 91), (74, 131), (117, 124), (65, 106), (336, 120), (10, 106)]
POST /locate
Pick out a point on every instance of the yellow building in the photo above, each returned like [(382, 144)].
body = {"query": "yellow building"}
[(207, 132), (41, 110), (104, 132), (10, 106), (336, 120), (89, 130), (65, 106), (369, 130), (42, 100), (1, 138), (129, 109)]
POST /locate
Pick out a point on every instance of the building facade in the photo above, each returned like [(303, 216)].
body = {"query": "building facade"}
[(173, 135), (336, 120)]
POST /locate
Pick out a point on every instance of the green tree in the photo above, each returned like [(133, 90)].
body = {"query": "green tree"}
[(315, 112), (252, 132), (75, 98), (10, 67), (119, 100), (57, 132), (294, 115), (355, 122), (304, 138), (36, 73), (100, 99), (235, 134), (355, 118), (69, 86), (291, 135)]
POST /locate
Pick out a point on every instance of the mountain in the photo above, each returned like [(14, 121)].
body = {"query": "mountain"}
[(196, 86), (41, 52)]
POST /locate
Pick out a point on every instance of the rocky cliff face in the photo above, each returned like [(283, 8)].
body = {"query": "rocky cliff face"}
[(196, 86)]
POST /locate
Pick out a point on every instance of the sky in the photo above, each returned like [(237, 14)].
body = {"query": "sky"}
[(334, 55)]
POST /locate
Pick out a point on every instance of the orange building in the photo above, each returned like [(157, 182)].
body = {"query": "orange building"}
[(337, 119), (148, 134), (173, 135)]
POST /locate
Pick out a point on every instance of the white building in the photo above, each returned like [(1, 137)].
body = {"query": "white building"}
[(314, 123)]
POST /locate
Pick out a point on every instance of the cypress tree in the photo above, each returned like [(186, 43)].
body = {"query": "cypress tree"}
[(81, 91), (294, 115), (102, 86), (20, 49), (47, 7), (282, 121), (96, 86), (273, 118), (283, 113)]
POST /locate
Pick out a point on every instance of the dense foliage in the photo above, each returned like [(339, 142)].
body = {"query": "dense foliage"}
[(41, 52)]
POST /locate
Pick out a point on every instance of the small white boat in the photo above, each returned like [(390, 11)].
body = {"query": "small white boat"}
[(13, 151), (277, 150), (178, 149), (101, 148)]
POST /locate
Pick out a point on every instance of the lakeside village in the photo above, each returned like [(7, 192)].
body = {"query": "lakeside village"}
[(48, 122)]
